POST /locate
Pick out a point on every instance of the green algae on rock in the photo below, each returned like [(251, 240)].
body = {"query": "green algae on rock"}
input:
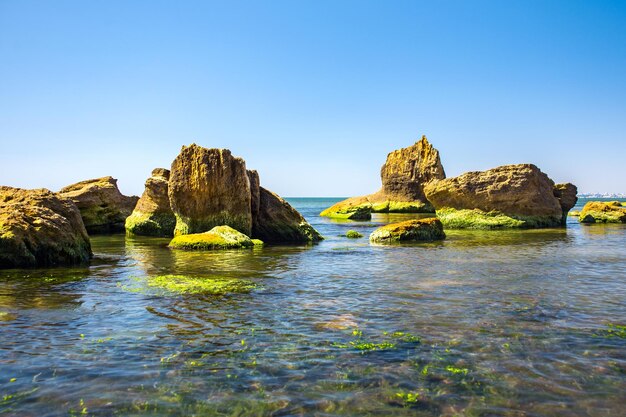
[(409, 231), (152, 215), (220, 237), (353, 234), (181, 284), (488, 220), (602, 212)]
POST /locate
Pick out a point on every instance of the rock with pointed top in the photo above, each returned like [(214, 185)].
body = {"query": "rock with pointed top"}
[(152, 215), (103, 207), (40, 228)]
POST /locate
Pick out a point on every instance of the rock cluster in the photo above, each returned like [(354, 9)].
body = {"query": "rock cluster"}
[(211, 187), (404, 175), (40, 228), (508, 196), (103, 207), (153, 215), (409, 231)]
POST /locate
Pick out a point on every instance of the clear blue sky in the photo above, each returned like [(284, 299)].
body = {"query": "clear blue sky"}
[(313, 94)]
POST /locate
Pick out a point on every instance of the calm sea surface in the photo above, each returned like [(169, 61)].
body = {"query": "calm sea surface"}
[(514, 323)]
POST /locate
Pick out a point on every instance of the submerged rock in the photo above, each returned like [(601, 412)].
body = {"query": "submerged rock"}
[(278, 222), (353, 234), (510, 196), (208, 188), (152, 215), (103, 207), (404, 175), (603, 212), (219, 237), (409, 231), (40, 228)]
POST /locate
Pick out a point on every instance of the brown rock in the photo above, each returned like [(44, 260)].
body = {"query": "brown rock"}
[(208, 188), (279, 222), (102, 206), (407, 170), (518, 191), (39, 228), (152, 215), (255, 193), (567, 196), (404, 175)]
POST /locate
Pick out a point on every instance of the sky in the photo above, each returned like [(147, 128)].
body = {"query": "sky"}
[(312, 94)]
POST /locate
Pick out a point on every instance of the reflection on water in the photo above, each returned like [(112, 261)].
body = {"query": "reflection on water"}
[(484, 323)]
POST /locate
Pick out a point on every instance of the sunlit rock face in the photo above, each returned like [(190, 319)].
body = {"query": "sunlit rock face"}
[(40, 228), (153, 215)]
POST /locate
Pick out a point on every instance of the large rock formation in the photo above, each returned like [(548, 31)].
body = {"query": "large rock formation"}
[(208, 188), (404, 175), (152, 215), (103, 207), (507, 196), (39, 228), (567, 196), (409, 231), (603, 212), (278, 222)]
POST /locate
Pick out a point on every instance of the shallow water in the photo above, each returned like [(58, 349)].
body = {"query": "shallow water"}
[(485, 323)]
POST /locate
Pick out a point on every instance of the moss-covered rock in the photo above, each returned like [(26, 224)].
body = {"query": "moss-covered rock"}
[(102, 206), (39, 228), (489, 220), (353, 234), (351, 209), (603, 212), (152, 215), (409, 231), (361, 208), (220, 237), (574, 213)]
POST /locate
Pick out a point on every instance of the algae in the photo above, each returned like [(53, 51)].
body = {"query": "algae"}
[(181, 284), (411, 230), (219, 237), (487, 220), (353, 234)]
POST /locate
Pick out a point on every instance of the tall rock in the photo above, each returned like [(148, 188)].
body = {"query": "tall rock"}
[(407, 170), (152, 215), (103, 207), (404, 175), (39, 228), (507, 196), (567, 196), (208, 188), (278, 222)]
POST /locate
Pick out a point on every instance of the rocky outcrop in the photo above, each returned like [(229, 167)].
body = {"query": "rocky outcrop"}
[(507, 196), (219, 237), (409, 231), (603, 212), (208, 188), (278, 222), (567, 196), (404, 175), (152, 215), (103, 207), (39, 228)]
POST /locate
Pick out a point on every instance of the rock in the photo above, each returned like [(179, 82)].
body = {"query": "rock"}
[(219, 237), (353, 234), (510, 196), (567, 196), (409, 231), (39, 228), (403, 176), (255, 193), (103, 207), (152, 215), (602, 212), (208, 188), (278, 222)]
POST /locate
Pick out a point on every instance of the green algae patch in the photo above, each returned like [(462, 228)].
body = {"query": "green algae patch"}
[(614, 330), (349, 212), (150, 224), (574, 213), (602, 212), (257, 242), (353, 234), (181, 284), (360, 208), (409, 231), (407, 207), (220, 237), (488, 220)]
